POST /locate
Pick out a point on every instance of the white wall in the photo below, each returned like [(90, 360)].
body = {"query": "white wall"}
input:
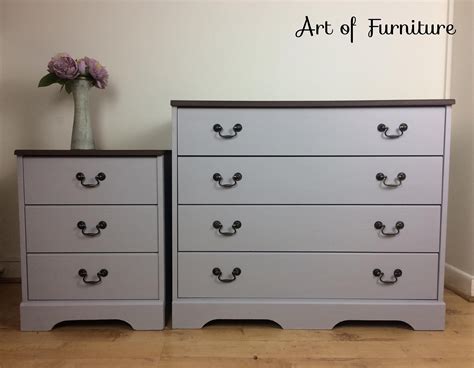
[(460, 250), (156, 51)]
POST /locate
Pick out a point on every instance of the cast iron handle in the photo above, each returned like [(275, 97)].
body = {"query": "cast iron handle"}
[(102, 273), (398, 180), (235, 272), (218, 225), (218, 129), (396, 274), (100, 226), (98, 178), (236, 177), (384, 129), (379, 225)]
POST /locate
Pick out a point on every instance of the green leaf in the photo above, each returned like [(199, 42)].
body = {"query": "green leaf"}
[(48, 79)]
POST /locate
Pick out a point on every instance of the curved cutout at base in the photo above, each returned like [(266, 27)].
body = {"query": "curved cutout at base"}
[(94, 323), (243, 323), (369, 323)]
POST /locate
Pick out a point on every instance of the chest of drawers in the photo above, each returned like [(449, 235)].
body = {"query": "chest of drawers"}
[(310, 213), (92, 237)]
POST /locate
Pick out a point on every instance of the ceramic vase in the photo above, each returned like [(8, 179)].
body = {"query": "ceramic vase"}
[(82, 136)]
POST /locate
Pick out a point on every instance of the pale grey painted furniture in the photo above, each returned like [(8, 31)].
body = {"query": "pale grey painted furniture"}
[(310, 213), (92, 232)]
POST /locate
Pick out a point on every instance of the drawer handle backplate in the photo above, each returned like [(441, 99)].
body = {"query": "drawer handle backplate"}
[(218, 177), (235, 272), (98, 178), (384, 129), (379, 225), (397, 182), (218, 225), (102, 273), (218, 129), (396, 274), (100, 226)]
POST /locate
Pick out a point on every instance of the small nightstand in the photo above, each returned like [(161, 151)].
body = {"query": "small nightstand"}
[(92, 233)]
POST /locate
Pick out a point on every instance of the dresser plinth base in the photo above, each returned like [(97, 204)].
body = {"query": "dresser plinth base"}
[(44, 315), (309, 314)]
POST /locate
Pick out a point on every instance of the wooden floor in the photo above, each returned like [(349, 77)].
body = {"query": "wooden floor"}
[(228, 345)]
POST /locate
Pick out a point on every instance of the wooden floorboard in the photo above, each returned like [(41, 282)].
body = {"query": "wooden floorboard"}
[(236, 344)]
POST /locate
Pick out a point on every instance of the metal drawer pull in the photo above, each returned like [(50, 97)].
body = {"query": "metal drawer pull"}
[(235, 272), (218, 225), (102, 273), (100, 226), (218, 129), (98, 178), (396, 274), (384, 129), (218, 177), (379, 225), (398, 180)]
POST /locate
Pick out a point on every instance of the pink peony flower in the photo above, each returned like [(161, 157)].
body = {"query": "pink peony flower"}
[(88, 66), (63, 66)]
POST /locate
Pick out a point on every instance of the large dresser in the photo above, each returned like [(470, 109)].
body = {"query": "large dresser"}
[(310, 213), (92, 237)]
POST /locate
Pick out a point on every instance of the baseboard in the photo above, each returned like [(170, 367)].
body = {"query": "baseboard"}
[(459, 281)]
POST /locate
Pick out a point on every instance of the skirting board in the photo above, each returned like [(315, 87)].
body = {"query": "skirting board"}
[(309, 314), (459, 281), (139, 314)]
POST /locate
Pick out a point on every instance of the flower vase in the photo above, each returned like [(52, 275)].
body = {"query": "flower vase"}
[(82, 137)]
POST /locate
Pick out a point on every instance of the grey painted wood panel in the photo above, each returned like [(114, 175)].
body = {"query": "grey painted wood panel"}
[(444, 207), (309, 180), (52, 180), (309, 314), (22, 229), (307, 131), (139, 314), (308, 228), (129, 228), (308, 275), (55, 276)]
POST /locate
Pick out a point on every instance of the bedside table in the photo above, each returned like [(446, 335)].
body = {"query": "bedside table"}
[(92, 237)]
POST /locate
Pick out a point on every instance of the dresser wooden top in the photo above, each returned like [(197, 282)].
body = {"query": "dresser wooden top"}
[(302, 104), (91, 153)]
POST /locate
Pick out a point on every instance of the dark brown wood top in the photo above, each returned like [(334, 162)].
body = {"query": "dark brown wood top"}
[(91, 153), (293, 104)]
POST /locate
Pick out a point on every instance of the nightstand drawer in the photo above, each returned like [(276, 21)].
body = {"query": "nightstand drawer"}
[(324, 131), (308, 228), (310, 180), (95, 229), (308, 275), (80, 180), (123, 276)]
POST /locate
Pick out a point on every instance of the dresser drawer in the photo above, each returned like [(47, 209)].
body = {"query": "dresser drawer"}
[(92, 228), (126, 180), (55, 276), (309, 228), (322, 131), (307, 275), (309, 180)]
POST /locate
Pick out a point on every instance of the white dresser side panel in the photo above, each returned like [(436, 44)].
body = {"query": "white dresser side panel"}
[(174, 200), (22, 222), (444, 207)]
